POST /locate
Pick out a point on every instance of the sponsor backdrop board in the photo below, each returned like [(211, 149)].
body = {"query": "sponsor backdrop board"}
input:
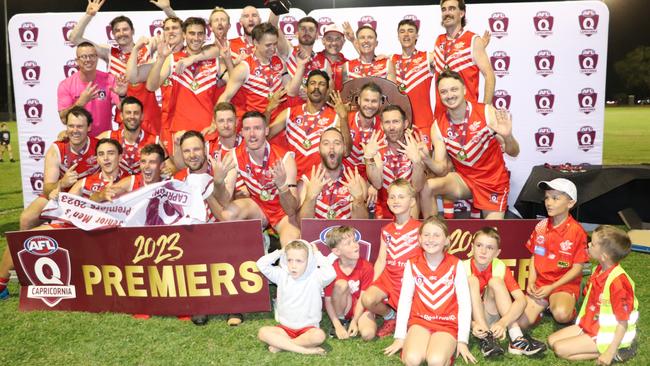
[(158, 270), (549, 58)]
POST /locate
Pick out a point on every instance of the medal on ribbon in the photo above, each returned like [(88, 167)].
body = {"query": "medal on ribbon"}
[(402, 88), (462, 155), (265, 195), (195, 85), (331, 214), (306, 143)]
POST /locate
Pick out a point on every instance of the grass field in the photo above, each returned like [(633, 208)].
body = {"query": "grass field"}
[(37, 338)]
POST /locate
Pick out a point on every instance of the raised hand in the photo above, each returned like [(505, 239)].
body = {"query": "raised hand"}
[(349, 33), (302, 57), (208, 130), (221, 167), (372, 196), (317, 181), (163, 48), (410, 148), (108, 193), (94, 6), (162, 4), (342, 109), (121, 85), (372, 146), (275, 99), (503, 125), (486, 38), (355, 184), (142, 41), (70, 177), (279, 174), (88, 94)]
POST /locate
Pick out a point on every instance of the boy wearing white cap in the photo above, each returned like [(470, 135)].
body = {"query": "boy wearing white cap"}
[(559, 248)]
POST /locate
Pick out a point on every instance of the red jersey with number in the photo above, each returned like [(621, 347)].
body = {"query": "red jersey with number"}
[(621, 297), (357, 69), (401, 245), (457, 55), (130, 161), (473, 147), (151, 110), (434, 299), (240, 47), (414, 77), (358, 280), (557, 249), (395, 165), (334, 201), (258, 179), (194, 94), (216, 149), (303, 131), (86, 159), (262, 80), (96, 182), (360, 135)]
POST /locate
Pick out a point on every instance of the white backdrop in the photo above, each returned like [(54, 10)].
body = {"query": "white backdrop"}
[(549, 57)]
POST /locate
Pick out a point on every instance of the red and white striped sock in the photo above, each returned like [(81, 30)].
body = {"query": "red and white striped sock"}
[(475, 213), (448, 209), (3, 283)]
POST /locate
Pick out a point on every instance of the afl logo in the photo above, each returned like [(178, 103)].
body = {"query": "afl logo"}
[(41, 245)]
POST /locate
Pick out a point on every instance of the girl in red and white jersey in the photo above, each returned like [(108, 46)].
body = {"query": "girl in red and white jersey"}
[(434, 303)]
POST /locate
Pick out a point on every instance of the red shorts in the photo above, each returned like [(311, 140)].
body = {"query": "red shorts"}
[(570, 288), (295, 333), (488, 197), (390, 288), (432, 327)]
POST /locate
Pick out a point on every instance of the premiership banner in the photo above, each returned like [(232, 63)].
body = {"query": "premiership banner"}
[(163, 203), (514, 234), (157, 270)]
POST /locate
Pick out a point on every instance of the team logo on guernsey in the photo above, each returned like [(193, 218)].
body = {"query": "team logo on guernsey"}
[(36, 181), (156, 28), (543, 23), (31, 73), (47, 267), (500, 63), (28, 33), (289, 26), (587, 100), (367, 20), (588, 21), (494, 197), (544, 100), (36, 147), (586, 138), (544, 61), (544, 139), (66, 29), (70, 68), (322, 23), (110, 37), (413, 18), (33, 111), (364, 246), (588, 60), (502, 99), (498, 23)]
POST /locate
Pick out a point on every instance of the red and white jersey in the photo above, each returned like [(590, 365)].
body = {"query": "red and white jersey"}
[(337, 69), (151, 110), (358, 280), (303, 131), (360, 135), (204, 183), (473, 147), (414, 78), (457, 55), (96, 182), (395, 165), (86, 159), (130, 161), (357, 69), (334, 201), (240, 47), (318, 61), (194, 94), (401, 245), (434, 300), (217, 150), (258, 179), (261, 81)]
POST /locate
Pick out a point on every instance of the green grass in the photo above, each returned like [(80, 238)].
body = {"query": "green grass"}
[(35, 338)]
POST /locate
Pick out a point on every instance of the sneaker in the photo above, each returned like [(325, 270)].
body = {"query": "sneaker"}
[(526, 346), (4, 294), (12, 160), (490, 347), (199, 319), (235, 319), (344, 322), (626, 354), (388, 328)]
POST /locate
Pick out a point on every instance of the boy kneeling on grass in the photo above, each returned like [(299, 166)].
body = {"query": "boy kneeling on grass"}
[(606, 326), (353, 276), (301, 276), (493, 289)]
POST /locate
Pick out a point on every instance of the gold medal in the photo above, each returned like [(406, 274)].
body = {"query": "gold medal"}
[(265, 195), (331, 214), (306, 144), (462, 155), (270, 95), (195, 85), (402, 88)]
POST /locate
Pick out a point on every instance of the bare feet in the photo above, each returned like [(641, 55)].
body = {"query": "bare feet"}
[(315, 351), (274, 349)]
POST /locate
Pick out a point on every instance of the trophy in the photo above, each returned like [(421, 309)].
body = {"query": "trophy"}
[(278, 7)]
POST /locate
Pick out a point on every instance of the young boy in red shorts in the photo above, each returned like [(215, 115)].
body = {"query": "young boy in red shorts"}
[(606, 326), (353, 277), (399, 242), (559, 248), (497, 300)]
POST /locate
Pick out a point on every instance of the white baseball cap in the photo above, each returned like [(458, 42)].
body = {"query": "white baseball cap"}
[(333, 27), (562, 185)]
